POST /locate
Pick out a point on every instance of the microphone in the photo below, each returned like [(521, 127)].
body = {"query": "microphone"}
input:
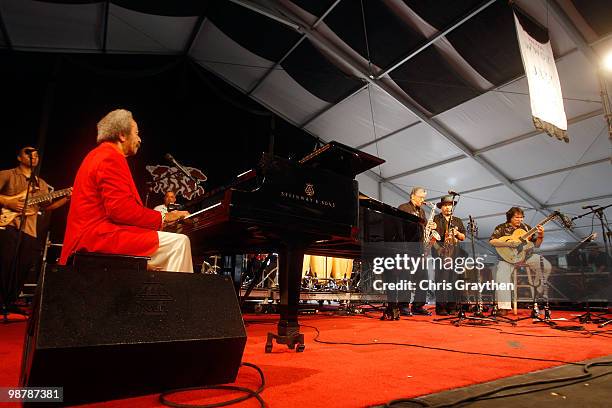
[(172, 160), (175, 207), (451, 192), (29, 151), (584, 207)]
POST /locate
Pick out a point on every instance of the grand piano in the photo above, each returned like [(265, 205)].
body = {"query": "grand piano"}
[(291, 207)]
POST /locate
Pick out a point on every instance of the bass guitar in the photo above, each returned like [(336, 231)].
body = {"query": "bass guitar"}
[(7, 216)]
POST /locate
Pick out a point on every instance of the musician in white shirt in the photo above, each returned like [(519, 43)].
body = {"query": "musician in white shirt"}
[(169, 198)]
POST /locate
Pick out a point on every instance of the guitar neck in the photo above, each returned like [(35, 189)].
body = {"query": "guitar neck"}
[(529, 233), (47, 197), (534, 229)]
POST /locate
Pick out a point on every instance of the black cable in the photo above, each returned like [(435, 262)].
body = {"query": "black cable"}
[(482, 326), (250, 393), (388, 343), (592, 377), (490, 394), (584, 333), (574, 379)]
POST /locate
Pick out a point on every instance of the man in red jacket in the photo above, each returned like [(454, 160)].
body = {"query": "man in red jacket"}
[(106, 213)]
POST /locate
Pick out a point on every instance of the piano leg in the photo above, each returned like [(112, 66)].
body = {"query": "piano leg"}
[(290, 260)]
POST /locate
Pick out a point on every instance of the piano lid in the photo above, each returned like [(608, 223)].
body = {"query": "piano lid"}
[(368, 202), (341, 159)]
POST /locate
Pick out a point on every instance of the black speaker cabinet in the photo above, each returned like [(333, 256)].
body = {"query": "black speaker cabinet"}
[(112, 333)]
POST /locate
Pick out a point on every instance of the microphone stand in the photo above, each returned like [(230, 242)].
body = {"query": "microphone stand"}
[(606, 234), (473, 231), (180, 168), (582, 264), (148, 184), (461, 316), (7, 303)]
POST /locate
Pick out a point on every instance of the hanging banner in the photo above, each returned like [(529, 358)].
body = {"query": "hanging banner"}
[(167, 178), (544, 88)]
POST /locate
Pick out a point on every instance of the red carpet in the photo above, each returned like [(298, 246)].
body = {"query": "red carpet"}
[(357, 376)]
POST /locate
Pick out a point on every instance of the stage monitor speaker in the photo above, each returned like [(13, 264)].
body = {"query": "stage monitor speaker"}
[(117, 333)]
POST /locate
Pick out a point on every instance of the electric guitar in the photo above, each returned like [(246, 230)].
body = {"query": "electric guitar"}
[(7, 216), (514, 255)]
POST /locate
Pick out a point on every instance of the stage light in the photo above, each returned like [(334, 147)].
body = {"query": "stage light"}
[(607, 62)]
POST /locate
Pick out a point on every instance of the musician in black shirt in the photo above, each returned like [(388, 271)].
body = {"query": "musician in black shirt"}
[(451, 231), (414, 207)]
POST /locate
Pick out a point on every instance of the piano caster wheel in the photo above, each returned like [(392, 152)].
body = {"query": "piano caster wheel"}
[(291, 340)]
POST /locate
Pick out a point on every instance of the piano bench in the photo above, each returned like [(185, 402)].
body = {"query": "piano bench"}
[(86, 261)]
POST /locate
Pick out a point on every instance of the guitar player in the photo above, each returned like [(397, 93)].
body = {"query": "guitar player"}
[(539, 266), (13, 182)]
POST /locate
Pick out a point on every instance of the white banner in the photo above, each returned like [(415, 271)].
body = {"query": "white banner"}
[(544, 88)]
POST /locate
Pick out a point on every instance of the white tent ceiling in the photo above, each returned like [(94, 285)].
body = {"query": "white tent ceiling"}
[(485, 146)]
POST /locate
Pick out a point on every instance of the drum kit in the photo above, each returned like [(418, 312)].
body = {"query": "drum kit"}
[(209, 265), (327, 274), (213, 265), (319, 273)]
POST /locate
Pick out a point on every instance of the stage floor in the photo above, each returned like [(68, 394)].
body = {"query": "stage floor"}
[(596, 392), (385, 360)]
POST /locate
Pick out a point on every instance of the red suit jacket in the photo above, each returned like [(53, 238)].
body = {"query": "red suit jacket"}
[(106, 213)]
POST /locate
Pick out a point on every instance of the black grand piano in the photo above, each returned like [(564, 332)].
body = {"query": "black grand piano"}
[(291, 207)]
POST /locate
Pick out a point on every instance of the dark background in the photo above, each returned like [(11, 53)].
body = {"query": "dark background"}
[(180, 109)]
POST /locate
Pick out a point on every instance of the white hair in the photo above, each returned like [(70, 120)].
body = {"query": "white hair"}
[(416, 190), (114, 123)]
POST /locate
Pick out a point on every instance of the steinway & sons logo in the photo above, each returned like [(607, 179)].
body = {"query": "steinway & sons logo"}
[(309, 197), (309, 189)]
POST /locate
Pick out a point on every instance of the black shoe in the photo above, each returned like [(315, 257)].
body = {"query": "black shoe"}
[(421, 311), (391, 313)]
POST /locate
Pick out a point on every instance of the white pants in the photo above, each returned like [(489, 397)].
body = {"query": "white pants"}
[(173, 254), (539, 274)]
